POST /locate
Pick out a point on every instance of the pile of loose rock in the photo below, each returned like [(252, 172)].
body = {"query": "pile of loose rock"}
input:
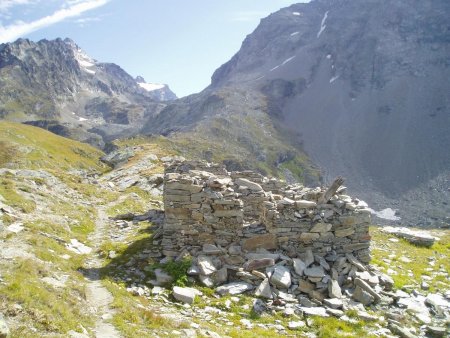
[(302, 250)]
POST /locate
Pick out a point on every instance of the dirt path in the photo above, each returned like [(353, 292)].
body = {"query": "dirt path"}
[(99, 298)]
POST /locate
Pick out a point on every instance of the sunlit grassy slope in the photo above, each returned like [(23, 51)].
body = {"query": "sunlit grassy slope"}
[(23, 146)]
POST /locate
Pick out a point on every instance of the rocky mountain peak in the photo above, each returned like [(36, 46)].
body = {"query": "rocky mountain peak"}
[(56, 85)]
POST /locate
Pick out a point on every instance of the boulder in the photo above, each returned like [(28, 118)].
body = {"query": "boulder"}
[(256, 264), (281, 277), (307, 257), (296, 325), (416, 237), (221, 276), (264, 290), (303, 204), (315, 272), (235, 288), (249, 184), (334, 290), (184, 295), (333, 303), (299, 266), (321, 227), (206, 266), (362, 296), (366, 287), (211, 249), (314, 311)]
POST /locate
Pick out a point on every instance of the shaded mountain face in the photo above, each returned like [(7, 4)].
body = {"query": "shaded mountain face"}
[(362, 86), (55, 85)]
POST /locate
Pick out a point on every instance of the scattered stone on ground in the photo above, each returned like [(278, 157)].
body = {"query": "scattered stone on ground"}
[(417, 237)]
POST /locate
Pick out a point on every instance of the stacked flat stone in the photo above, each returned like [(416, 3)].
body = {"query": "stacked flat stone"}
[(246, 232), (206, 204)]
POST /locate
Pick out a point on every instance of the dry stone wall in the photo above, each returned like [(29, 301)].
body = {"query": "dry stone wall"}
[(205, 204)]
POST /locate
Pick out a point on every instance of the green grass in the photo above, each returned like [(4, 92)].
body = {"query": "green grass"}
[(133, 318), (49, 309), (333, 327), (7, 153), (419, 256), (40, 149), (128, 205), (178, 271), (8, 190)]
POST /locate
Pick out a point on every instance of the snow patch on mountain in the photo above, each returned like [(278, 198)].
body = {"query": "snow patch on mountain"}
[(388, 214), (323, 25), (151, 86), (86, 62)]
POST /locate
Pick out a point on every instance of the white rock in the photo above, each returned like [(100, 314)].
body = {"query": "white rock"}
[(333, 303), (314, 311), (78, 247), (295, 325), (235, 288), (15, 228), (4, 330), (249, 184), (299, 266), (281, 277), (206, 266), (264, 290), (185, 295)]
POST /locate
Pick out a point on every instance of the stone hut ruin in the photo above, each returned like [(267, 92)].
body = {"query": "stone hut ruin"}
[(248, 232), (205, 204)]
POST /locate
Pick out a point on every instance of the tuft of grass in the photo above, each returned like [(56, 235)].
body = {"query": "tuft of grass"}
[(8, 190), (128, 205), (36, 148), (7, 153), (133, 317), (178, 270), (50, 309), (333, 327)]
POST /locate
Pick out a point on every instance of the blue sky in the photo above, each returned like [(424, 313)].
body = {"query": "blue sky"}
[(178, 42)]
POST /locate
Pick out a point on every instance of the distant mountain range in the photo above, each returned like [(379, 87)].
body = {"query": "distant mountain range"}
[(336, 87), (54, 84)]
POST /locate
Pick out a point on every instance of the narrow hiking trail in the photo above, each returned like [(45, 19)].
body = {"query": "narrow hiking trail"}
[(98, 297)]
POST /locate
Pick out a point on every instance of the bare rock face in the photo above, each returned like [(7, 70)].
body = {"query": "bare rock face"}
[(64, 90)]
